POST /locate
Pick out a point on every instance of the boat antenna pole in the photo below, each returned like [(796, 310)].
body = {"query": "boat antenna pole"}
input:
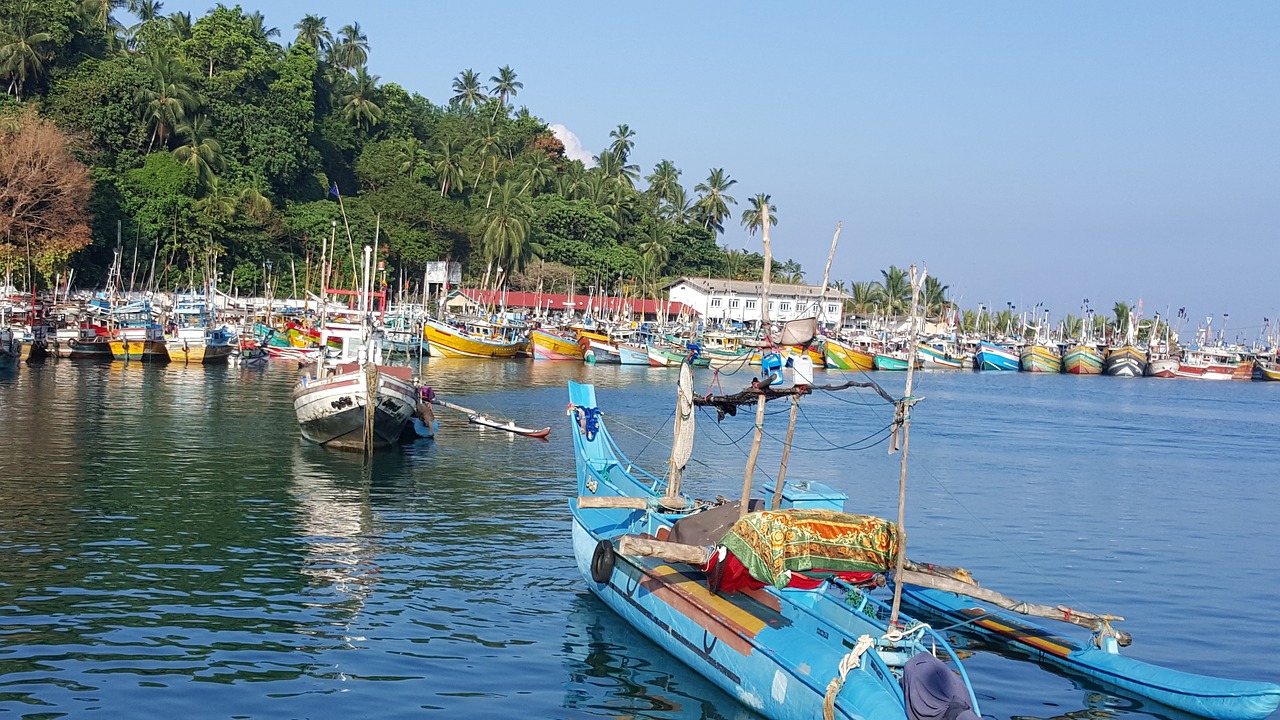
[(902, 418), (763, 386)]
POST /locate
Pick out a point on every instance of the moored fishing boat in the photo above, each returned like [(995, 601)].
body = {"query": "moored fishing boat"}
[(939, 356), (10, 348), (1208, 363), (195, 339), (597, 350), (136, 335), (1125, 361), (353, 402), (787, 650), (82, 341), (549, 345), (842, 355), (474, 339), (1039, 358), (1266, 368), (894, 360), (992, 357), (1082, 359)]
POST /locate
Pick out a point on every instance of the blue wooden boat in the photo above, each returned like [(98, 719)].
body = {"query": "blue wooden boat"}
[(780, 651), (995, 357), (1211, 697)]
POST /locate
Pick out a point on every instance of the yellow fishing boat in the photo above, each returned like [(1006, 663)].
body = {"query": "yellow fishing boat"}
[(844, 356), (473, 340)]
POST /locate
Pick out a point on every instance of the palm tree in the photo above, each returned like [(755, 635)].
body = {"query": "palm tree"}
[(359, 106), (180, 23), (467, 90), (622, 143), (665, 176), (537, 172), (505, 85), (713, 202), (411, 155), (352, 48), (678, 208), (735, 264), (1072, 327), (98, 12), (654, 245), (22, 55), (258, 26), (790, 272), (893, 293), (168, 95), (1122, 312), (610, 166), (448, 168), (312, 30), (862, 297), (504, 232), (200, 151), (753, 217), (934, 296), (145, 9)]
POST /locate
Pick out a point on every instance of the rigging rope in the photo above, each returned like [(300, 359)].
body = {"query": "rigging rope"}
[(847, 663)]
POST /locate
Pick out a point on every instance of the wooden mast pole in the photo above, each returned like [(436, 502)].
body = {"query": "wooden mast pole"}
[(764, 383), (904, 417)]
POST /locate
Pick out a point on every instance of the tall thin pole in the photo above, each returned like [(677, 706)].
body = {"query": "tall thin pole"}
[(764, 383), (904, 410)]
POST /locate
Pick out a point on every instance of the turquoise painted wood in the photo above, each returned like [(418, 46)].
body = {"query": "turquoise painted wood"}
[(1211, 697)]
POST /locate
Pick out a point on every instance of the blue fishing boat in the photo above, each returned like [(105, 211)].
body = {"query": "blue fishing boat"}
[(807, 643), (991, 356), (1211, 697)]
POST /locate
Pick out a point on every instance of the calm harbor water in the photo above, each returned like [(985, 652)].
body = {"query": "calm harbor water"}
[(170, 547)]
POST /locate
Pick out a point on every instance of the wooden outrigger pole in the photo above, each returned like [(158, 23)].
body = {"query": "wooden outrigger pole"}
[(764, 381)]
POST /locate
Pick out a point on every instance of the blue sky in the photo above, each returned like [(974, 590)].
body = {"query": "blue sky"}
[(1026, 153)]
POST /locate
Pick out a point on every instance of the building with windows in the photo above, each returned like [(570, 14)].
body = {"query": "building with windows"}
[(739, 301)]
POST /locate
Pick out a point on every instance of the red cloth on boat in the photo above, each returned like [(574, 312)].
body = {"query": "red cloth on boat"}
[(729, 575)]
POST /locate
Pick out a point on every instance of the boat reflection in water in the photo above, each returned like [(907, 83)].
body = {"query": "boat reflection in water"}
[(614, 671)]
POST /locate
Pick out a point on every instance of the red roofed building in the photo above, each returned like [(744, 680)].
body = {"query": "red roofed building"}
[(478, 302)]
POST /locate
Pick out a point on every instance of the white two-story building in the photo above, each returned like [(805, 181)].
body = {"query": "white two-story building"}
[(729, 301)]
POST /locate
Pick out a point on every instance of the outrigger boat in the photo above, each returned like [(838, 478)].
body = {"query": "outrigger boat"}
[(509, 426), (1211, 697), (773, 606)]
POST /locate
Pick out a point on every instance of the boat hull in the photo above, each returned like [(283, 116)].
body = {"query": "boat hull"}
[(332, 411), (1161, 368), (991, 357), (448, 342), (1082, 360), (1040, 359), (931, 358), (1126, 361), (550, 346), (142, 350), (1266, 371), (843, 357)]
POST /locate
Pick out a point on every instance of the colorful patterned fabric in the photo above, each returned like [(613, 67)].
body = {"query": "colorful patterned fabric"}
[(774, 542)]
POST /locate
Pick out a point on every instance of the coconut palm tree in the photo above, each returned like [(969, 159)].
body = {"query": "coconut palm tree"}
[(199, 150), (753, 217), (735, 264), (467, 90), (678, 208), (862, 297), (168, 95), (934, 297), (145, 9), (789, 272), (622, 142), (505, 85), (258, 26), (893, 292), (448, 167), (1122, 312), (504, 232), (312, 29), (665, 176), (537, 171), (98, 12), (352, 47), (610, 166), (181, 24), (713, 202), (23, 56), (359, 106)]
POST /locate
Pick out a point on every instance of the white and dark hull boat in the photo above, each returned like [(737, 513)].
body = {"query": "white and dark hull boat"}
[(333, 410)]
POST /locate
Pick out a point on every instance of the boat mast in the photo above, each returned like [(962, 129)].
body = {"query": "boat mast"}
[(902, 416), (764, 382)]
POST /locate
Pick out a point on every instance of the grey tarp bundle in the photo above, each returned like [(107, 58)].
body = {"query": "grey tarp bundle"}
[(934, 692)]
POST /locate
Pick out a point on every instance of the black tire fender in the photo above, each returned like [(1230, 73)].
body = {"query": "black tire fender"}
[(602, 562)]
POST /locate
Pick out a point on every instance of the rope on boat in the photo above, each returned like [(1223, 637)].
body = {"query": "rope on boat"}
[(847, 663)]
